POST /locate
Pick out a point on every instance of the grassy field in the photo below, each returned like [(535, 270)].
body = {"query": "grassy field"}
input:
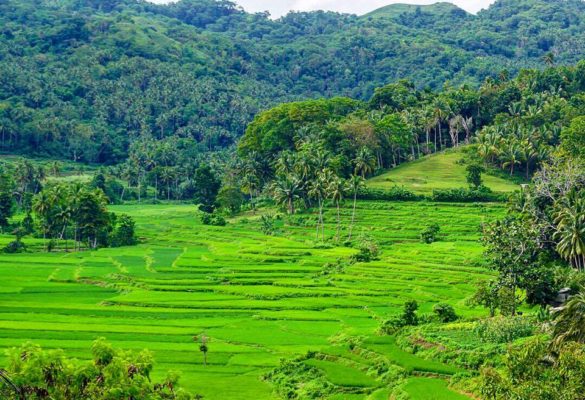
[(258, 298), (439, 171)]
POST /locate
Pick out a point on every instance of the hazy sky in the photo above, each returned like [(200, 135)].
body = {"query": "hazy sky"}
[(278, 8)]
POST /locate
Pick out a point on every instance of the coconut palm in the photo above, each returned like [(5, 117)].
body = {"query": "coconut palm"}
[(250, 184), (570, 233), (286, 191), (55, 168), (336, 191), (318, 191), (364, 162), (529, 154), (354, 185), (570, 322), (511, 155), (441, 113), (549, 59)]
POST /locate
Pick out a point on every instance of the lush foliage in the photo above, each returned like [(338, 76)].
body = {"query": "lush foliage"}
[(37, 374), (82, 79)]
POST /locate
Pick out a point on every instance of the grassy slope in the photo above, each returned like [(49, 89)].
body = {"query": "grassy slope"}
[(439, 171), (258, 298)]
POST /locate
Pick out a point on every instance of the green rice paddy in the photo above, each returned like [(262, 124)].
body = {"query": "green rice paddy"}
[(258, 298)]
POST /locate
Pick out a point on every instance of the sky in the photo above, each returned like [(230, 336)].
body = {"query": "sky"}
[(278, 8)]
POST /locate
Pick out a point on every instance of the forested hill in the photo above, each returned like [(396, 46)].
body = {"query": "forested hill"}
[(82, 79)]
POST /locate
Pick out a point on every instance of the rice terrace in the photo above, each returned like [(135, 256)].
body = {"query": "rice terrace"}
[(292, 200), (258, 298)]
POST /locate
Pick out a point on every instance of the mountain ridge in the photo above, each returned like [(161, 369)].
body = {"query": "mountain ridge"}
[(107, 72)]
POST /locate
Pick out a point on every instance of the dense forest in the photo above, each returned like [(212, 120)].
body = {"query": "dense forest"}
[(85, 80)]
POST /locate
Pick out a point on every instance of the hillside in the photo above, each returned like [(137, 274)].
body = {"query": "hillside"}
[(398, 10), (83, 79), (438, 171)]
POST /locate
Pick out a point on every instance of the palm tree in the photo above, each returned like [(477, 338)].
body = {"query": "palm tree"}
[(570, 233), (549, 59), (42, 207), (285, 164), (364, 162), (355, 183), (489, 143), (529, 153), (318, 190), (55, 168), (167, 176), (286, 190), (336, 191), (455, 128), (440, 113), (250, 184), (511, 155), (570, 322)]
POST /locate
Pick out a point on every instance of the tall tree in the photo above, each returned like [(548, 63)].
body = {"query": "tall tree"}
[(336, 191), (355, 183)]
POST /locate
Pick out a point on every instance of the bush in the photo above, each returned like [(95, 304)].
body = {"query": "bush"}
[(267, 226), (111, 374), (16, 246), (407, 318), (429, 234), (213, 219), (368, 250), (124, 235), (474, 172), (503, 329), (463, 195), (396, 193), (445, 312)]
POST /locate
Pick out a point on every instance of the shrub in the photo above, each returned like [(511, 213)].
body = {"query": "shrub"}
[(463, 195), (111, 374), (230, 198), (474, 172), (368, 250), (124, 235), (213, 219), (16, 246), (407, 318), (445, 312), (395, 193), (429, 234), (267, 226), (503, 329)]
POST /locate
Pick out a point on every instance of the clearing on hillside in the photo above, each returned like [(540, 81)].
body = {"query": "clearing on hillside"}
[(438, 171)]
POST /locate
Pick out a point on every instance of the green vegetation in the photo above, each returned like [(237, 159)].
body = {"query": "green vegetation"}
[(402, 242), (83, 79), (438, 171), (39, 374), (258, 298)]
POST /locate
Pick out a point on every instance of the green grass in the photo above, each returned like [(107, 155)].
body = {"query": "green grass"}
[(342, 375), (431, 389), (439, 171), (259, 298)]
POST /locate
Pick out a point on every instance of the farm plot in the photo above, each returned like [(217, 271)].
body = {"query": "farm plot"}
[(257, 298)]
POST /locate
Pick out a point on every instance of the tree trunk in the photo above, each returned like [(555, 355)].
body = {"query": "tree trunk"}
[(353, 214), (338, 221)]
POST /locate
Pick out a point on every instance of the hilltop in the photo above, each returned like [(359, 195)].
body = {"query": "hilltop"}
[(397, 9)]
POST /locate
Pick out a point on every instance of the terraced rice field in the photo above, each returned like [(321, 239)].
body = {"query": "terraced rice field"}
[(438, 171), (258, 298)]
